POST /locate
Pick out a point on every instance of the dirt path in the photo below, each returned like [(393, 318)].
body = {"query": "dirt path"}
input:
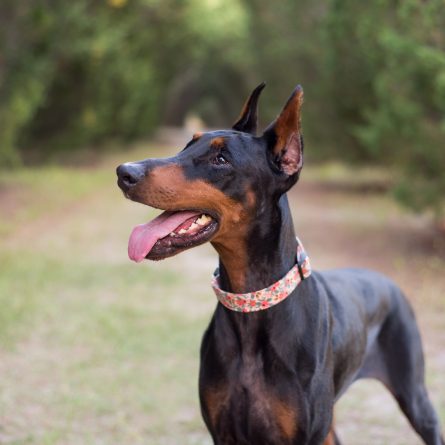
[(339, 227)]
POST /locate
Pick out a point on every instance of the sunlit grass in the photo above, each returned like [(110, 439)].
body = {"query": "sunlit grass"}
[(352, 175), (111, 356), (95, 349), (30, 193)]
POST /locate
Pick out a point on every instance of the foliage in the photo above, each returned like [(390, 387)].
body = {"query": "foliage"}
[(71, 82), (75, 73), (387, 62), (79, 72), (410, 117)]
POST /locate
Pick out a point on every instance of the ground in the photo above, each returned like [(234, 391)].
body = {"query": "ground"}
[(97, 350)]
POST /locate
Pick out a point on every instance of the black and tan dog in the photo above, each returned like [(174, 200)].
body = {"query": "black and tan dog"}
[(272, 376)]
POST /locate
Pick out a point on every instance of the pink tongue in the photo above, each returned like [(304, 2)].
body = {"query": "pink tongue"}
[(144, 236)]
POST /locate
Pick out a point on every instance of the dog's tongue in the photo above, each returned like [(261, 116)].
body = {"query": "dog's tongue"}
[(144, 236)]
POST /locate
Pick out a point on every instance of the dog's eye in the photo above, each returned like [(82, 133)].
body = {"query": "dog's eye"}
[(220, 160)]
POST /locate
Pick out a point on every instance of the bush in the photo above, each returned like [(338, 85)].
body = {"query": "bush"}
[(81, 72), (386, 62)]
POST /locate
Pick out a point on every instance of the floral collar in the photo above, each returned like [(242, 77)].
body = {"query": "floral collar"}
[(269, 296)]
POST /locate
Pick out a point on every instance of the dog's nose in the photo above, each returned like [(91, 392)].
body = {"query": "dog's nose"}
[(129, 175)]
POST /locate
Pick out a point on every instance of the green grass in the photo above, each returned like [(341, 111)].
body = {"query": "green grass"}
[(94, 349), (352, 175), (111, 348), (44, 190), (31, 192)]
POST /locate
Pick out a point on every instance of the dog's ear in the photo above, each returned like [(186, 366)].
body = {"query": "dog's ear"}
[(283, 136), (248, 119)]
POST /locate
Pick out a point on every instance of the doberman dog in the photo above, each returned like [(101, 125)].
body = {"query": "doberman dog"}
[(271, 376)]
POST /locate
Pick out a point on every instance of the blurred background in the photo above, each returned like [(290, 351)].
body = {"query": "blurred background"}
[(95, 350)]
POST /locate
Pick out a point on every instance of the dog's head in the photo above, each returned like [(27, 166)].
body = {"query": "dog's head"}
[(219, 185)]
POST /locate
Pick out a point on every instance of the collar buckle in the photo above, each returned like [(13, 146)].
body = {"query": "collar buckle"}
[(300, 259)]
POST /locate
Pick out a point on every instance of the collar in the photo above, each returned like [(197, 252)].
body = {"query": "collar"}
[(269, 296)]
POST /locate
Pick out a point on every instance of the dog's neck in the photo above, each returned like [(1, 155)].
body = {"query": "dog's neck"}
[(264, 256)]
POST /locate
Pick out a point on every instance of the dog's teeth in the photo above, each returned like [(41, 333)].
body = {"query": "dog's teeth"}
[(203, 220), (199, 222)]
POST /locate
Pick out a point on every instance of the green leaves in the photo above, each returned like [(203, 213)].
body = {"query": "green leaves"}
[(387, 65), (83, 72)]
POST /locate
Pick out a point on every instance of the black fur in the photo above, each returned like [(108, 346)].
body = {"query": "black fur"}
[(272, 377)]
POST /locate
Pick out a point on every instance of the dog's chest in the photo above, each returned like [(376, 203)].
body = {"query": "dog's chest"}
[(246, 410)]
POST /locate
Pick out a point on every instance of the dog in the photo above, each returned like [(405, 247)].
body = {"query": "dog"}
[(284, 342)]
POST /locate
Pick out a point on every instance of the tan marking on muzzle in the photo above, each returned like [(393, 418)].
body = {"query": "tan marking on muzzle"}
[(167, 188)]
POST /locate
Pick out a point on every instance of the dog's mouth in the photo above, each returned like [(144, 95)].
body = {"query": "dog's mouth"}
[(170, 233)]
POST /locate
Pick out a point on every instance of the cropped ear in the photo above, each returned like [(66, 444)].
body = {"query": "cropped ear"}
[(283, 136), (248, 119)]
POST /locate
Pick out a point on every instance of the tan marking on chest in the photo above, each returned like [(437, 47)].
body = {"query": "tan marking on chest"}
[(286, 418), (277, 415), (330, 438), (215, 400)]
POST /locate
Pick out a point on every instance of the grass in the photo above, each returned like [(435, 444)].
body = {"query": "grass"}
[(97, 350), (92, 352), (336, 172), (103, 352), (43, 190)]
